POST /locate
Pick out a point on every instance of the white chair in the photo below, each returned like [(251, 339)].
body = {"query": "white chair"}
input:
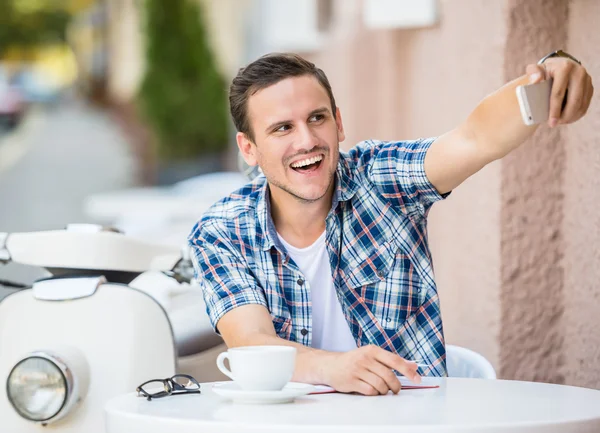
[(462, 362)]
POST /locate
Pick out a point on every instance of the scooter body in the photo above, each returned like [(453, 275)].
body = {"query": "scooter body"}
[(92, 331)]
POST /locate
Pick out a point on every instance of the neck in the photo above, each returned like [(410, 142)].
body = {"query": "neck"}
[(300, 223)]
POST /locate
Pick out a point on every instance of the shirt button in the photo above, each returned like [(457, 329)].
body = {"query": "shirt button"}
[(380, 273), (419, 290), (300, 281), (304, 331), (388, 320)]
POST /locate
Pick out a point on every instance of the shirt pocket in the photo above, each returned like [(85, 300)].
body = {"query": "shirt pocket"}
[(398, 296), (393, 292)]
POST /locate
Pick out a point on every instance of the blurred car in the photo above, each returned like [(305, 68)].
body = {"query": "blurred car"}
[(162, 214), (12, 102), (37, 87)]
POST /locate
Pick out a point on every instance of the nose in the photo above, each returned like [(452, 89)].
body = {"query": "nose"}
[(307, 138)]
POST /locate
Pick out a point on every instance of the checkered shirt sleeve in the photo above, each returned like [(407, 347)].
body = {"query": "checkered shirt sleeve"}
[(396, 170), (223, 274)]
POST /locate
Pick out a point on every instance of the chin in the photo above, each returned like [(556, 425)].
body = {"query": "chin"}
[(312, 194)]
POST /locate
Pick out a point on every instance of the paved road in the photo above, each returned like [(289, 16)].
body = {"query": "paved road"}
[(50, 164)]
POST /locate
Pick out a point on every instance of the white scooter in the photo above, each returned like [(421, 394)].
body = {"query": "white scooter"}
[(116, 312)]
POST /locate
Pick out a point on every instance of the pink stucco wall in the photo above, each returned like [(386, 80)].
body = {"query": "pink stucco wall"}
[(532, 240), (581, 224), (515, 247)]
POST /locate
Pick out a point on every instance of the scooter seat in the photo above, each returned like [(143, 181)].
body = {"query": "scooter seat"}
[(89, 251)]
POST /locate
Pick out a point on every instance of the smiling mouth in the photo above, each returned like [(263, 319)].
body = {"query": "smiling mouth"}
[(307, 165)]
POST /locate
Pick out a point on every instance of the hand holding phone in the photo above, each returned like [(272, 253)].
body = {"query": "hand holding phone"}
[(534, 101)]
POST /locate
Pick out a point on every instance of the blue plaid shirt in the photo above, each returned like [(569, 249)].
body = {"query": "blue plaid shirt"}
[(377, 224)]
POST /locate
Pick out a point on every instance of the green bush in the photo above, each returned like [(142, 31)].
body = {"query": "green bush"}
[(182, 96)]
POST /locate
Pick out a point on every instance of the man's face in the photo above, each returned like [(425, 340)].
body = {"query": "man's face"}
[(296, 138)]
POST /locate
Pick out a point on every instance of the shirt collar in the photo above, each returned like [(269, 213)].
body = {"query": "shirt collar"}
[(346, 187)]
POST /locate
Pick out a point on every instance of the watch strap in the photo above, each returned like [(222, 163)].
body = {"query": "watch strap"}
[(557, 53)]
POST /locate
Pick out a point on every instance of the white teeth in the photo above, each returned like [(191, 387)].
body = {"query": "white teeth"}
[(306, 162)]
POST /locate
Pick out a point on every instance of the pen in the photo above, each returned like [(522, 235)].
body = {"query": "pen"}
[(419, 363)]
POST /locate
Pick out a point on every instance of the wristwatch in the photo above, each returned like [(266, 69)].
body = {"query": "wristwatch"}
[(558, 53)]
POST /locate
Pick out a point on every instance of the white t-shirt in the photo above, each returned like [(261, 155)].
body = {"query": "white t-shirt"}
[(330, 331)]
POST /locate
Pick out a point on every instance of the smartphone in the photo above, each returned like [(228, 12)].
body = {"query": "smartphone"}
[(534, 101)]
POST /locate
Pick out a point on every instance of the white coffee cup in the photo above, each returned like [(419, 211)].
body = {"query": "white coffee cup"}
[(259, 368)]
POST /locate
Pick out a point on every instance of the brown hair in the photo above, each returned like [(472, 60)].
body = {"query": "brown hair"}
[(264, 72)]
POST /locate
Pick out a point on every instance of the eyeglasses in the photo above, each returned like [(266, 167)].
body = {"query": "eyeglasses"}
[(178, 384)]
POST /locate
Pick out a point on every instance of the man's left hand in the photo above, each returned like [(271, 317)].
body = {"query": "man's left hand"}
[(570, 78)]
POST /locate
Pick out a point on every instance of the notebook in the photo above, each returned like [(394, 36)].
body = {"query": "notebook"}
[(426, 383)]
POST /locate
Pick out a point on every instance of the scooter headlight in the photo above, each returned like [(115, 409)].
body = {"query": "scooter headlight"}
[(38, 387)]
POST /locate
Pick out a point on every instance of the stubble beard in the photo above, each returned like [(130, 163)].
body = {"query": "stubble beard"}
[(297, 195)]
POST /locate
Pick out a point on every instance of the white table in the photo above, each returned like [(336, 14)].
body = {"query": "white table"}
[(459, 405)]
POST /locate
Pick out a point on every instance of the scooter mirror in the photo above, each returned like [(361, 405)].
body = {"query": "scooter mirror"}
[(4, 254)]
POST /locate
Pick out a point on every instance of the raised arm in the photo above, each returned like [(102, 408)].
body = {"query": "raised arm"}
[(495, 127)]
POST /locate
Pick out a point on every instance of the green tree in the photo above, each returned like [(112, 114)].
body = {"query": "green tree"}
[(182, 95), (34, 26)]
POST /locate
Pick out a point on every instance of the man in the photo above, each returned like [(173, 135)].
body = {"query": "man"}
[(328, 251)]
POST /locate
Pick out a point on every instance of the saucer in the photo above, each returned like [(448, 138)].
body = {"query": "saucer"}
[(232, 391)]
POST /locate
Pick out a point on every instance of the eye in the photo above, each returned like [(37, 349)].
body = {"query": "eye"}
[(283, 128), (317, 118)]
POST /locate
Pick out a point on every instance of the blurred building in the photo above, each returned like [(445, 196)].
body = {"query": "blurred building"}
[(514, 247), (125, 42)]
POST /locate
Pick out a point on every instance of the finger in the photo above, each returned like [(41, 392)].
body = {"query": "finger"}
[(589, 93), (401, 365), (585, 100), (365, 389), (375, 381), (388, 376), (559, 87), (536, 73), (574, 97)]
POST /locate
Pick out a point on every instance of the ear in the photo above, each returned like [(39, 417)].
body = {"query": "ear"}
[(340, 125), (247, 148)]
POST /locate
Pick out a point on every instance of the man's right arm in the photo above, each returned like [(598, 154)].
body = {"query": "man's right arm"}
[(366, 370)]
